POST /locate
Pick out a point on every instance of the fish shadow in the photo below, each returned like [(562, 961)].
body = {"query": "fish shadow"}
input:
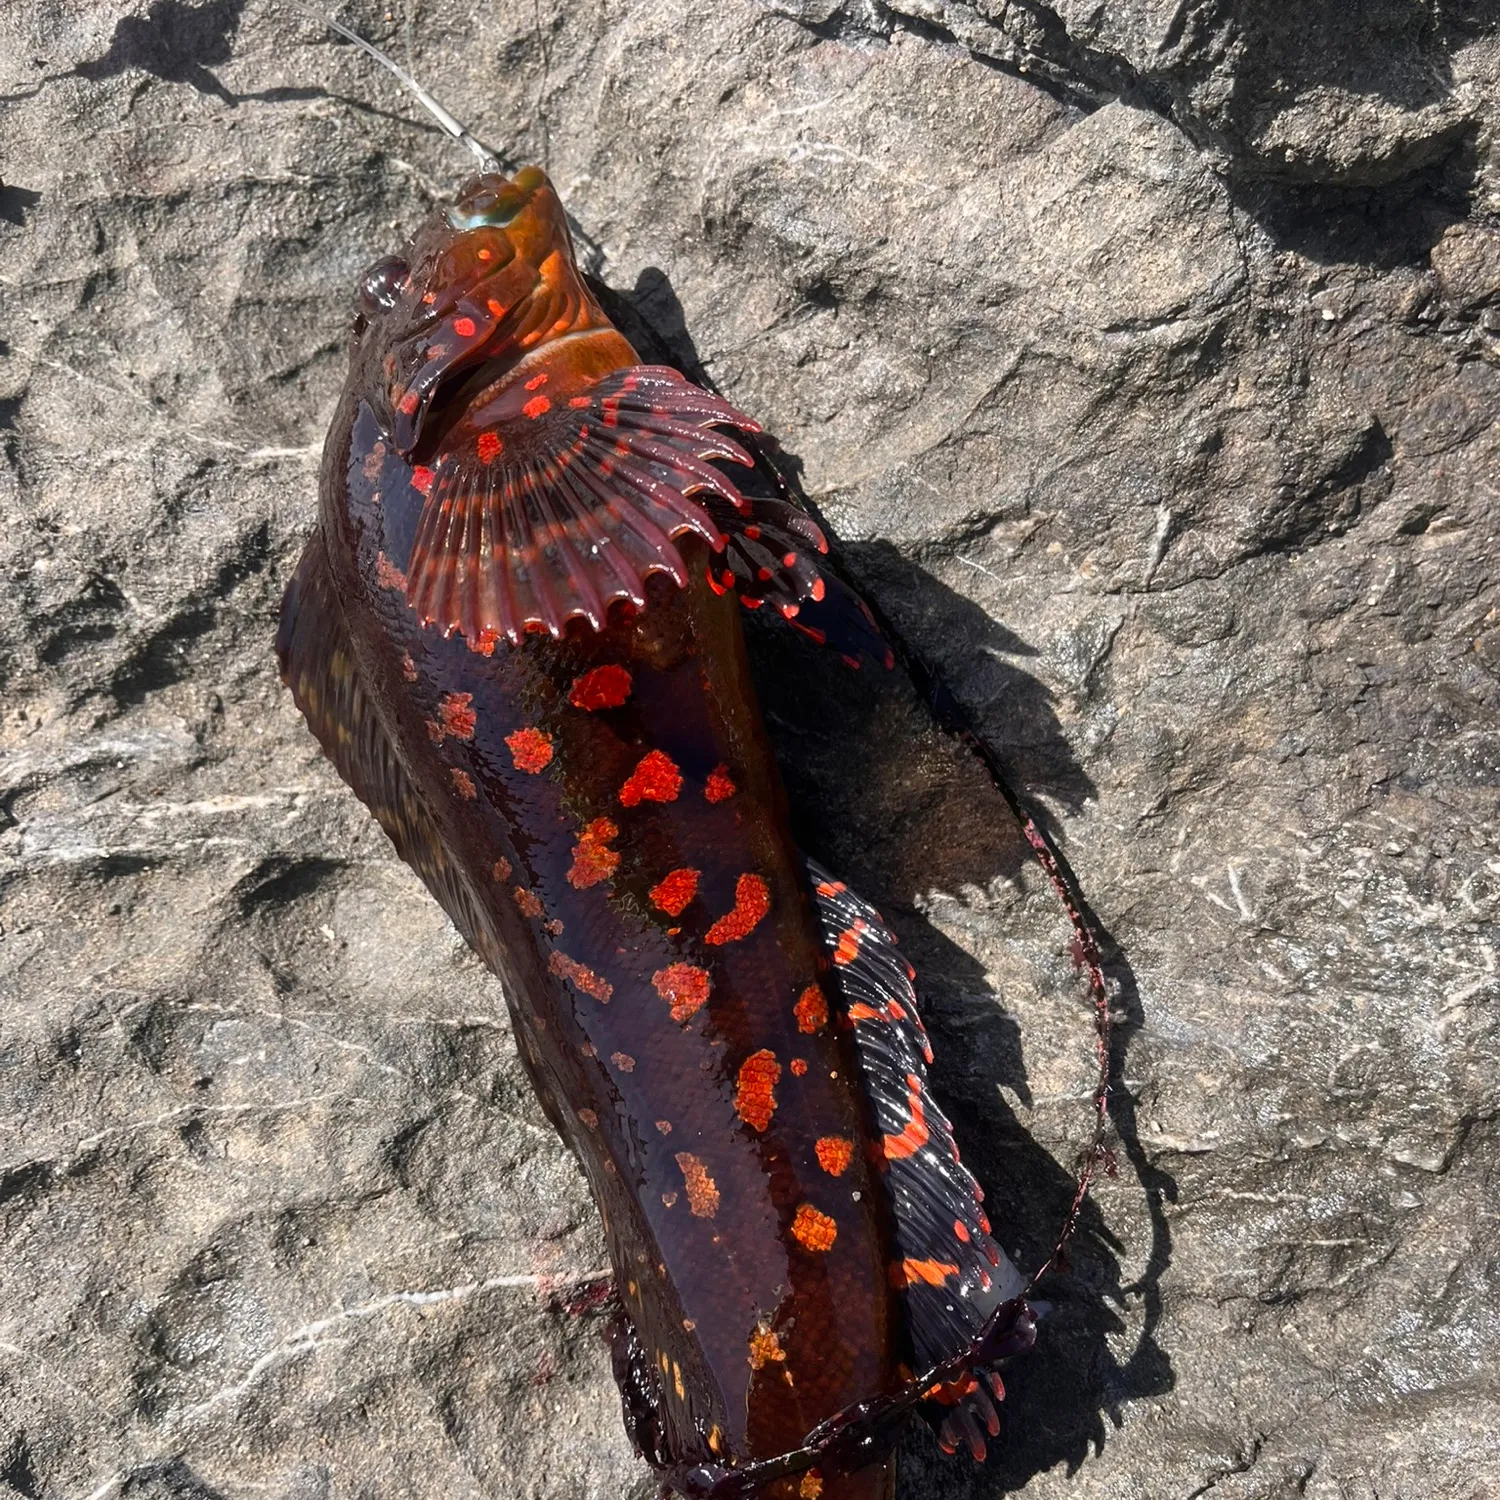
[(883, 795)]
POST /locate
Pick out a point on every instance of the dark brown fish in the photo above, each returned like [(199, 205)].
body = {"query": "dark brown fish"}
[(516, 633)]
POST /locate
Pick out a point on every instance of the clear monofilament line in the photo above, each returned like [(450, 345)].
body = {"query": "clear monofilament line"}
[(487, 159)]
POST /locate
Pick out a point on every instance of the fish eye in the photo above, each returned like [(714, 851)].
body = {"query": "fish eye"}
[(380, 286), (487, 201)]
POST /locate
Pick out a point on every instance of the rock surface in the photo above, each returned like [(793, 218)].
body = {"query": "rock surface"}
[(1145, 356)]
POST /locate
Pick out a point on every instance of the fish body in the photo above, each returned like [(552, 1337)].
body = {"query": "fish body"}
[(516, 633)]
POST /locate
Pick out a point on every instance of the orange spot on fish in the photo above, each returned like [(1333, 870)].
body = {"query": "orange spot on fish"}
[(409, 403), (655, 779), (684, 987), (527, 901), (489, 446), (847, 949), (913, 1135), (581, 401), (536, 382), (811, 1487), (464, 327), (665, 1126), (719, 788), (501, 870), (408, 668), (623, 1061), (581, 976), (387, 574), (859, 1011), (834, 1154), (831, 887), (765, 1348), (497, 309), (421, 479), (589, 1118), (531, 749), (811, 1011), (485, 253), (455, 716), (961, 1230), (911, 1272), (674, 892), (463, 784), (538, 406), (593, 859), (798, 1065), (703, 1195), (485, 642), (752, 900), (813, 1230), (755, 1089), (604, 687)]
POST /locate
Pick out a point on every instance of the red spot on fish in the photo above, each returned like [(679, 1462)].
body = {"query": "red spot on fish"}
[(593, 859), (798, 1066), (831, 887), (811, 1011), (463, 784), (719, 787), (489, 446), (849, 941), (752, 900), (604, 687), (527, 901), (408, 668), (538, 406), (911, 1272), (581, 976), (485, 642), (819, 588), (501, 870), (684, 986), (455, 715), (656, 779), (387, 574), (665, 1126), (790, 560), (755, 1089), (623, 1061), (531, 749), (961, 1230), (497, 309), (589, 1118), (581, 401), (409, 403), (464, 327), (421, 479), (703, 1194), (859, 1011), (813, 1230), (835, 1152), (536, 382), (673, 893), (913, 1135)]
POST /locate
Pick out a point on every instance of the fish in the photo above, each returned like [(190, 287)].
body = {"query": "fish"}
[(516, 632)]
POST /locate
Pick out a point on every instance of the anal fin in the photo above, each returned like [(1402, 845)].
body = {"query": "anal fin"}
[(952, 1274)]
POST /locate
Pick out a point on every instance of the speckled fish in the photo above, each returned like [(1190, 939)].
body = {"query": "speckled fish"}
[(516, 633)]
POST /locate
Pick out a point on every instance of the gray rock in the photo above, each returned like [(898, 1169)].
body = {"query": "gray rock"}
[(1144, 356)]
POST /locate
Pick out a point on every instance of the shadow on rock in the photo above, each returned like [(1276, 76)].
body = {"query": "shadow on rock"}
[(882, 795)]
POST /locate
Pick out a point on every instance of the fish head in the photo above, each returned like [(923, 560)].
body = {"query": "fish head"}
[(484, 283)]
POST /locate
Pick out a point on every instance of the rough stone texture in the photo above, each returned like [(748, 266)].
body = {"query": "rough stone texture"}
[(1146, 357)]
